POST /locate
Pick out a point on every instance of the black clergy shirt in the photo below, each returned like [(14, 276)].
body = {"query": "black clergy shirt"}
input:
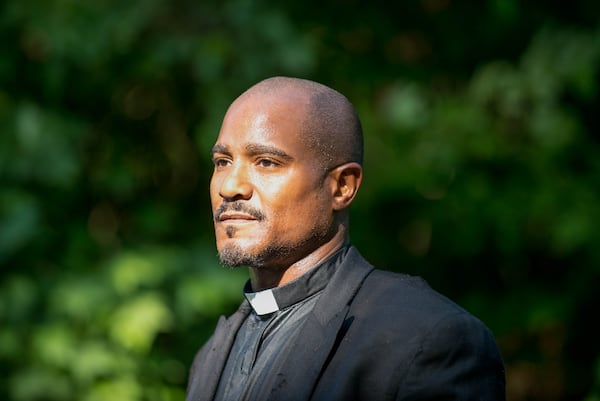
[(270, 328)]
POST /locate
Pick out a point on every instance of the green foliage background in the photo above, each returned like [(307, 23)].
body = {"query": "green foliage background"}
[(482, 175)]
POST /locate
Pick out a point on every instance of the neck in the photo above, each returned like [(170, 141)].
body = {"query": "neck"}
[(264, 278)]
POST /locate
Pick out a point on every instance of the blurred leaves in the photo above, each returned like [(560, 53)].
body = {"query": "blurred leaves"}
[(482, 174), (20, 216), (136, 323), (97, 333)]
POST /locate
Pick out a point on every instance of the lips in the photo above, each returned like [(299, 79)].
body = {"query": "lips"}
[(237, 211), (235, 216)]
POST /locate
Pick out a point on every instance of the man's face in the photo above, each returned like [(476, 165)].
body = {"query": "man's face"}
[(269, 193)]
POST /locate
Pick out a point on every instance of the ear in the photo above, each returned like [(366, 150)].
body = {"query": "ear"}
[(346, 180)]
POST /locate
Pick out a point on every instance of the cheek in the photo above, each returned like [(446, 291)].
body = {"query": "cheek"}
[(293, 200), (213, 188), (307, 210)]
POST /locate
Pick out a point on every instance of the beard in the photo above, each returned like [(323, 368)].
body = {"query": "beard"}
[(235, 256), (274, 255), (281, 252)]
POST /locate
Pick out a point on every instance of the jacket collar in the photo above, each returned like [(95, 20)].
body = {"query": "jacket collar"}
[(315, 341), (204, 379), (299, 369)]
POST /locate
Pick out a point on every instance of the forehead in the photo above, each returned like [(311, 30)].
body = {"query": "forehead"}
[(265, 120)]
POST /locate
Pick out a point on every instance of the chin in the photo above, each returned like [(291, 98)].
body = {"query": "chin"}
[(235, 256), (244, 245)]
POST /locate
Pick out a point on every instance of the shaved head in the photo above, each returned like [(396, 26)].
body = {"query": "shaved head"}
[(330, 127)]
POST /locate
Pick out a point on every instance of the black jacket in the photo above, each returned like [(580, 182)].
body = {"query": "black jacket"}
[(373, 335)]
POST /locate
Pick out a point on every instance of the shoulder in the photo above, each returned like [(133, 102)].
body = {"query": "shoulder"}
[(404, 294), (437, 347), (390, 296), (410, 310)]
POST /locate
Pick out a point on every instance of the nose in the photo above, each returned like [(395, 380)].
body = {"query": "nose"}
[(235, 184)]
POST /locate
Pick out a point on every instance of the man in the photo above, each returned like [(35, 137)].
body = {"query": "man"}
[(319, 322)]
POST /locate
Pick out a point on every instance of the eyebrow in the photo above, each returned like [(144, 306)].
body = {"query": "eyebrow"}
[(254, 149), (257, 149), (219, 149)]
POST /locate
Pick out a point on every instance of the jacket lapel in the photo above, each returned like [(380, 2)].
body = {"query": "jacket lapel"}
[(205, 379), (299, 370)]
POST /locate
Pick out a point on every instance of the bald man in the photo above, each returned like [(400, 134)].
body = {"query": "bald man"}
[(318, 321)]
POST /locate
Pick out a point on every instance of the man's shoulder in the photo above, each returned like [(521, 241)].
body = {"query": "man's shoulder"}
[(396, 296), (392, 292), (403, 287)]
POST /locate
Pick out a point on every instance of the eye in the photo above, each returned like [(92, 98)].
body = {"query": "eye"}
[(220, 162), (267, 163)]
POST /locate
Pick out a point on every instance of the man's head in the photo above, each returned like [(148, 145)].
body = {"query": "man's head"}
[(287, 166)]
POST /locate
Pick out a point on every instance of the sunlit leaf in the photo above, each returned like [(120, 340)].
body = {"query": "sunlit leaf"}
[(132, 271), (124, 389), (136, 323), (55, 345)]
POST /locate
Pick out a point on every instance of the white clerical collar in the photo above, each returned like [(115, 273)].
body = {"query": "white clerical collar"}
[(263, 302)]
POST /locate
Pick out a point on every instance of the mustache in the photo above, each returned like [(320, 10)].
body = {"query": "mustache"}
[(238, 206)]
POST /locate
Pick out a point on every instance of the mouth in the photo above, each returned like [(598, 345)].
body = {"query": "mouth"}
[(237, 213), (236, 217)]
